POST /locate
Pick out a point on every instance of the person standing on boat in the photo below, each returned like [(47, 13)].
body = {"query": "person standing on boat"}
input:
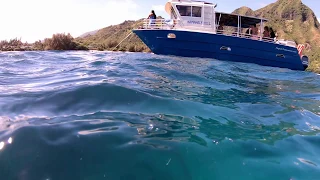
[(152, 16)]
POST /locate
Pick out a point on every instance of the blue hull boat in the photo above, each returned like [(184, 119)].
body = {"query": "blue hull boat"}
[(194, 44), (181, 36)]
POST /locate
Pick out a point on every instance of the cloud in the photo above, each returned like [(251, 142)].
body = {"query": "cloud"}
[(158, 7), (37, 19), (318, 19)]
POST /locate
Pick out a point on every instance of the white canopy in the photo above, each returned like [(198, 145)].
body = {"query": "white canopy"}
[(186, 2)]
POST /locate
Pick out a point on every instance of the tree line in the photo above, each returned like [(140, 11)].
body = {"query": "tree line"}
[(60, 41)]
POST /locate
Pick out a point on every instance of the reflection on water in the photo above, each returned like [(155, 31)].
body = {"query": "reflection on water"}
[(307, 162), (249, 131), (1, 145), (109, 115), (10, 140)]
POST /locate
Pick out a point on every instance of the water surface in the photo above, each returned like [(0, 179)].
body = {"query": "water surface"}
[(112, 115)]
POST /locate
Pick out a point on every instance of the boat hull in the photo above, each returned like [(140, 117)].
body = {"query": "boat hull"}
[(221, 47)]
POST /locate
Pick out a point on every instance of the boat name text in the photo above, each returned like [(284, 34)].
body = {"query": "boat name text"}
[(198, 22), (282, 49)]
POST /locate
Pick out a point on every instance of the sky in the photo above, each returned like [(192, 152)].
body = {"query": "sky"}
[(33, 20)]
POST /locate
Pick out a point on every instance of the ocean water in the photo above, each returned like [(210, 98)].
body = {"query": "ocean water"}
[(113, 115)]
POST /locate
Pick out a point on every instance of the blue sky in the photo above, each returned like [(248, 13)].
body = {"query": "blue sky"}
[(33, 20)]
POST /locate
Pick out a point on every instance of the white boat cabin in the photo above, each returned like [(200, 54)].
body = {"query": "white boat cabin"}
[(192, 15), (201, 16)]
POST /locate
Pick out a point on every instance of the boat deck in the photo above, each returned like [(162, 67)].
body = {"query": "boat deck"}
[(158, 24)]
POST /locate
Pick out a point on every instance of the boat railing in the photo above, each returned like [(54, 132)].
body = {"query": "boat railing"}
[(246, 36), (160, 23), (174, 23)]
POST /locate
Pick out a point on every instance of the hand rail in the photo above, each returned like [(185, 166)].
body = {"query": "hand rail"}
[(160, 23), (174, 23), (245, 35)]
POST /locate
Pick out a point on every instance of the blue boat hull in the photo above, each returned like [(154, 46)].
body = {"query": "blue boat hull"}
[(221, 47)]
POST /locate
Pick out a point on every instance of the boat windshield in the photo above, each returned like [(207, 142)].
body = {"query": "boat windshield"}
[(241, 26), (173, 14), (233, 20), (190, 11)]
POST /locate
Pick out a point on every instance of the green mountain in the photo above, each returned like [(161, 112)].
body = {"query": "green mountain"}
[(109, 37), (244, 11), (291, 19)]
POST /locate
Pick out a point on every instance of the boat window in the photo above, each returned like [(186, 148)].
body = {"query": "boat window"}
[(192, 11), (196, 11), (184, 10)]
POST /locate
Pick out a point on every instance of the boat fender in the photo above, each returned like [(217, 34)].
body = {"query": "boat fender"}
[(305, 60), (225, 48), (171, 36)]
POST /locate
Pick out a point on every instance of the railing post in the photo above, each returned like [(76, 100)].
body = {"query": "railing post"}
[(261, 29), (238, 26), (145, 24), (202, 14)]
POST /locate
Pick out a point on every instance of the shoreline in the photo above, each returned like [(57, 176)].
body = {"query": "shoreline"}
[(91, 50)]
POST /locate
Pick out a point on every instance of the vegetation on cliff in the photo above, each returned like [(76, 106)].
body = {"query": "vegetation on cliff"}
[(58, 41), (244, 11), (109, 37), (61, 42), (15, 45)]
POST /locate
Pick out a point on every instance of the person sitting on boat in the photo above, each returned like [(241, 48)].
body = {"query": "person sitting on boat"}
[(220, 29), (249, 31), (272, 34), (252, 30), (266, 33), (255, 32), (152, 16)]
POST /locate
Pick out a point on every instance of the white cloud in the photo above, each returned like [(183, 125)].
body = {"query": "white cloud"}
[(318, 19), (37, 19), (158, 8)]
